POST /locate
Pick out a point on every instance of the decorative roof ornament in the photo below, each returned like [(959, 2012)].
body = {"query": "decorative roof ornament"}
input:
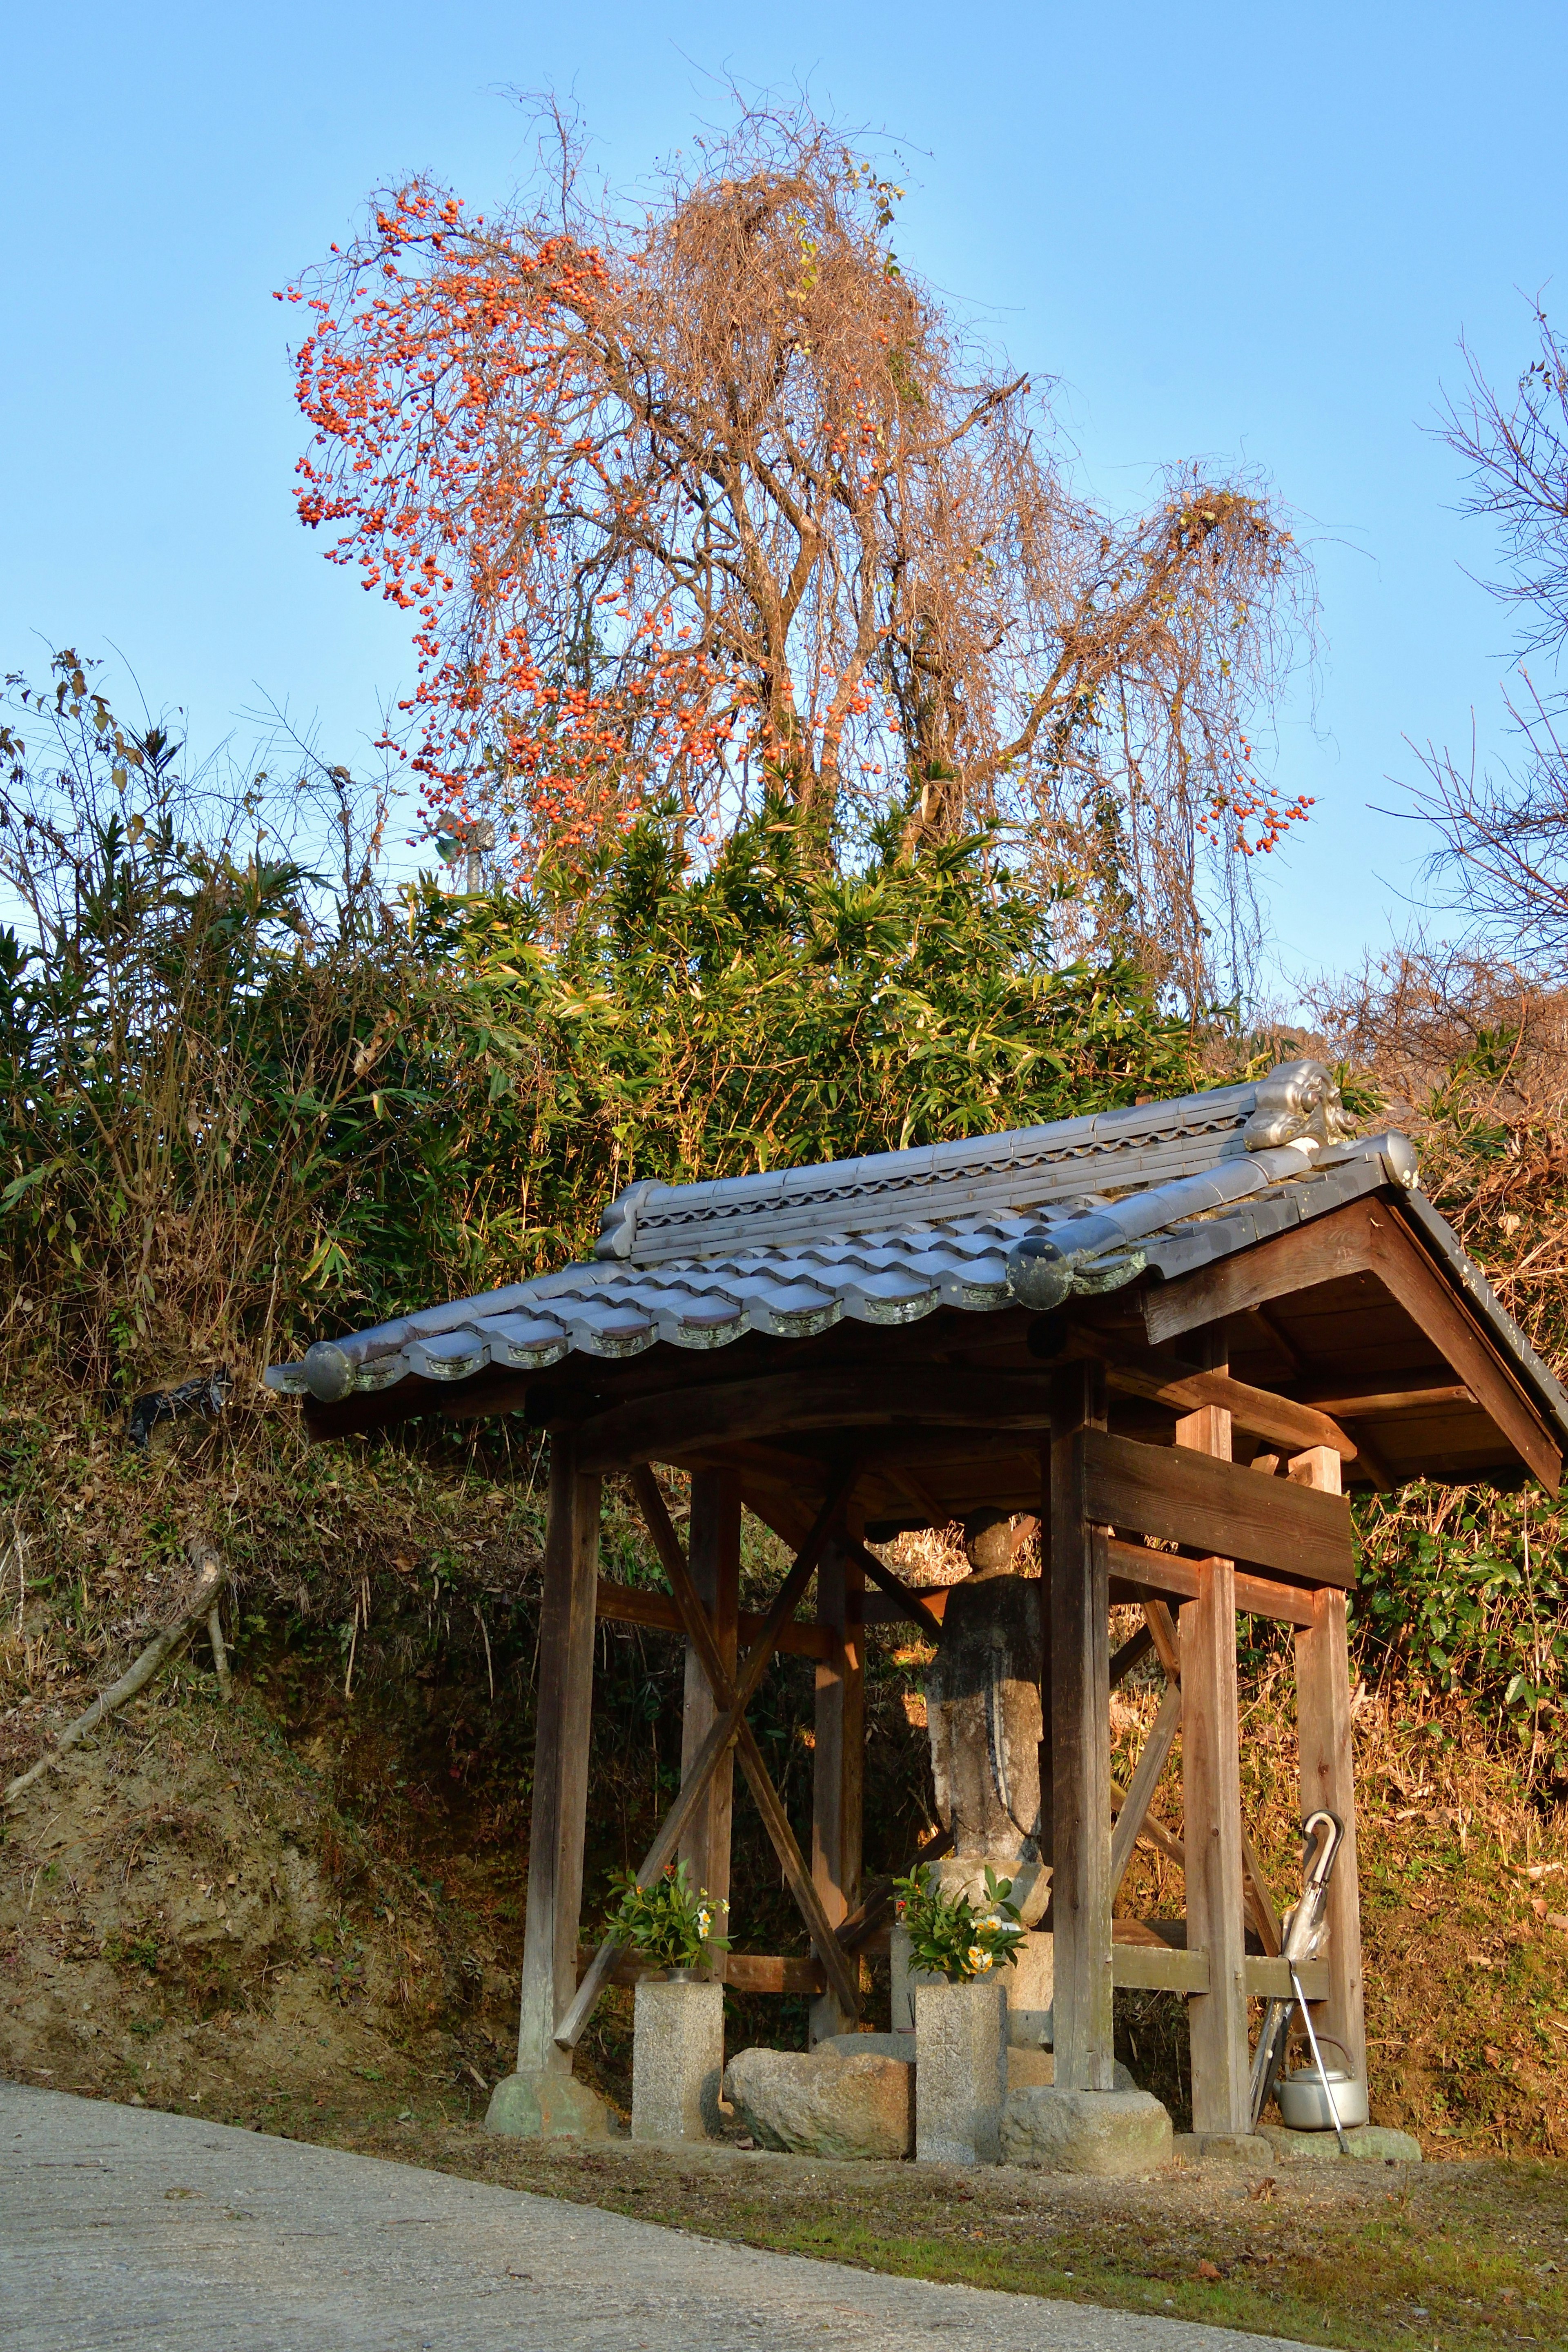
[(1298, 1103)]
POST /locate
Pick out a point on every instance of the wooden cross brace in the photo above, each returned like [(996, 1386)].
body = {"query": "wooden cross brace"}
[(730, 1728), (1133, 1820)]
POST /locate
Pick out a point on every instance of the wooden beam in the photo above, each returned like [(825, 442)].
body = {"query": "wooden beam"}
[(1081, 1740), (1167, 1642), (922, 1609), (1384, 1400), (1157, 1968), (1366, 1237), (775, 1820), (837, 1776), (917, 1606), (1326, 1249), (1211, 1809), (744, 1971), (765, 1972), (1146, 1777), (683, 1420), (1185, 1389), (728, 1726), (1173, 1492), (560, 1760), (1328, 1781), (882, 1609), (631, 1604), (1270, 1979), (1260, 1902), (1405, 1271), (1132, 1653), (714, 1567), (1167, 1571)]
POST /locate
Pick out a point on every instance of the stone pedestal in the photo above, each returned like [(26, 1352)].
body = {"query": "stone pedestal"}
[(1031, 1983), (850, 2097), (904, 1981), (547, 2107), (961, 2071), (1112, 2134), (677, 2060)]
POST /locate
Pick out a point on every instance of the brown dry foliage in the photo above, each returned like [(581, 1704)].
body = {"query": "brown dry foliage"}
[(836, 528)]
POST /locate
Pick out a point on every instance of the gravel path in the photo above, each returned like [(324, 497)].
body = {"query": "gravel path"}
[(120, 2227)]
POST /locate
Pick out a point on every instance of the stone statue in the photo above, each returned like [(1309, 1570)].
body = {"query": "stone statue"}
[(983, 1709)]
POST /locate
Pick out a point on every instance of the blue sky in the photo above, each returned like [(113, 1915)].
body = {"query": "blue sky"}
[(1249, 234)]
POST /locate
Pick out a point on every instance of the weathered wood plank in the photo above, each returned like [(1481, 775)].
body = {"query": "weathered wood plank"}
[(1211, 1808), (629, 1604), (766, 1972), (1081, 1740), (885, 1608), (776, 1820), (1325, 1250), (731, 1727), (1270, 1979), (1152, 1763), (1176, 1494), (714, 1566), (682, 1420), (837, 1757), (560, 1760), (1404, 1269), (1378, 1401), (1258, 1410), (1155, 1968), (1328, 1779), (1167, 1571), (746, 1971)]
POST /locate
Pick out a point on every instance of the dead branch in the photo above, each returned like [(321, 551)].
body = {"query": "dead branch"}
[(214, 1576)]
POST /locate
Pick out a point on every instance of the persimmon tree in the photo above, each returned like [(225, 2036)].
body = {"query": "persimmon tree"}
[(718, 500)]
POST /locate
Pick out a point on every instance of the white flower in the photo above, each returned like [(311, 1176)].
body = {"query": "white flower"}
[(704, 1921), (979, 1959)]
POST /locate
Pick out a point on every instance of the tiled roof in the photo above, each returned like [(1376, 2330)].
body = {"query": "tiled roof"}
[(1023, 1217)]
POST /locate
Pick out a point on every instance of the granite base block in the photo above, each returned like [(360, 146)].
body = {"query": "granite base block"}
[(1367, 2144), (677, 2060), (1112, 2134), (547, 2107), (961, 2071)]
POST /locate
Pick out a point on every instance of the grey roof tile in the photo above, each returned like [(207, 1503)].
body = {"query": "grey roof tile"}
[(889, 1238)]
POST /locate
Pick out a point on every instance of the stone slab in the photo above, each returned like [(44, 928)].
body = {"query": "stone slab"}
[(547, 2107), (1112, 2135), (825, 2102), (873, 2045), (1368, 2144)]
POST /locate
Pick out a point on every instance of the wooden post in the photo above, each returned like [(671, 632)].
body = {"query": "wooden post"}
[(1210, 1807), (715, 1563), (839, 1759), (560, 1760), (1328, 1779), (1081, 1743)]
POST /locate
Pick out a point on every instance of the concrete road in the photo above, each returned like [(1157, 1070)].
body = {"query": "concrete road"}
[(126, 2230)]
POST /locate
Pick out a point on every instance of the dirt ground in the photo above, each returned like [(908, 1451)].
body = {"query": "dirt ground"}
[(1371, 2256)]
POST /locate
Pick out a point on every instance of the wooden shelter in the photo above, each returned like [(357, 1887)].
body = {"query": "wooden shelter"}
[(1176, 1332)]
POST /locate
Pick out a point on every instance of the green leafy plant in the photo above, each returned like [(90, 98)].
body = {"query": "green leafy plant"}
[(948, 1937), (668, 1923)]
